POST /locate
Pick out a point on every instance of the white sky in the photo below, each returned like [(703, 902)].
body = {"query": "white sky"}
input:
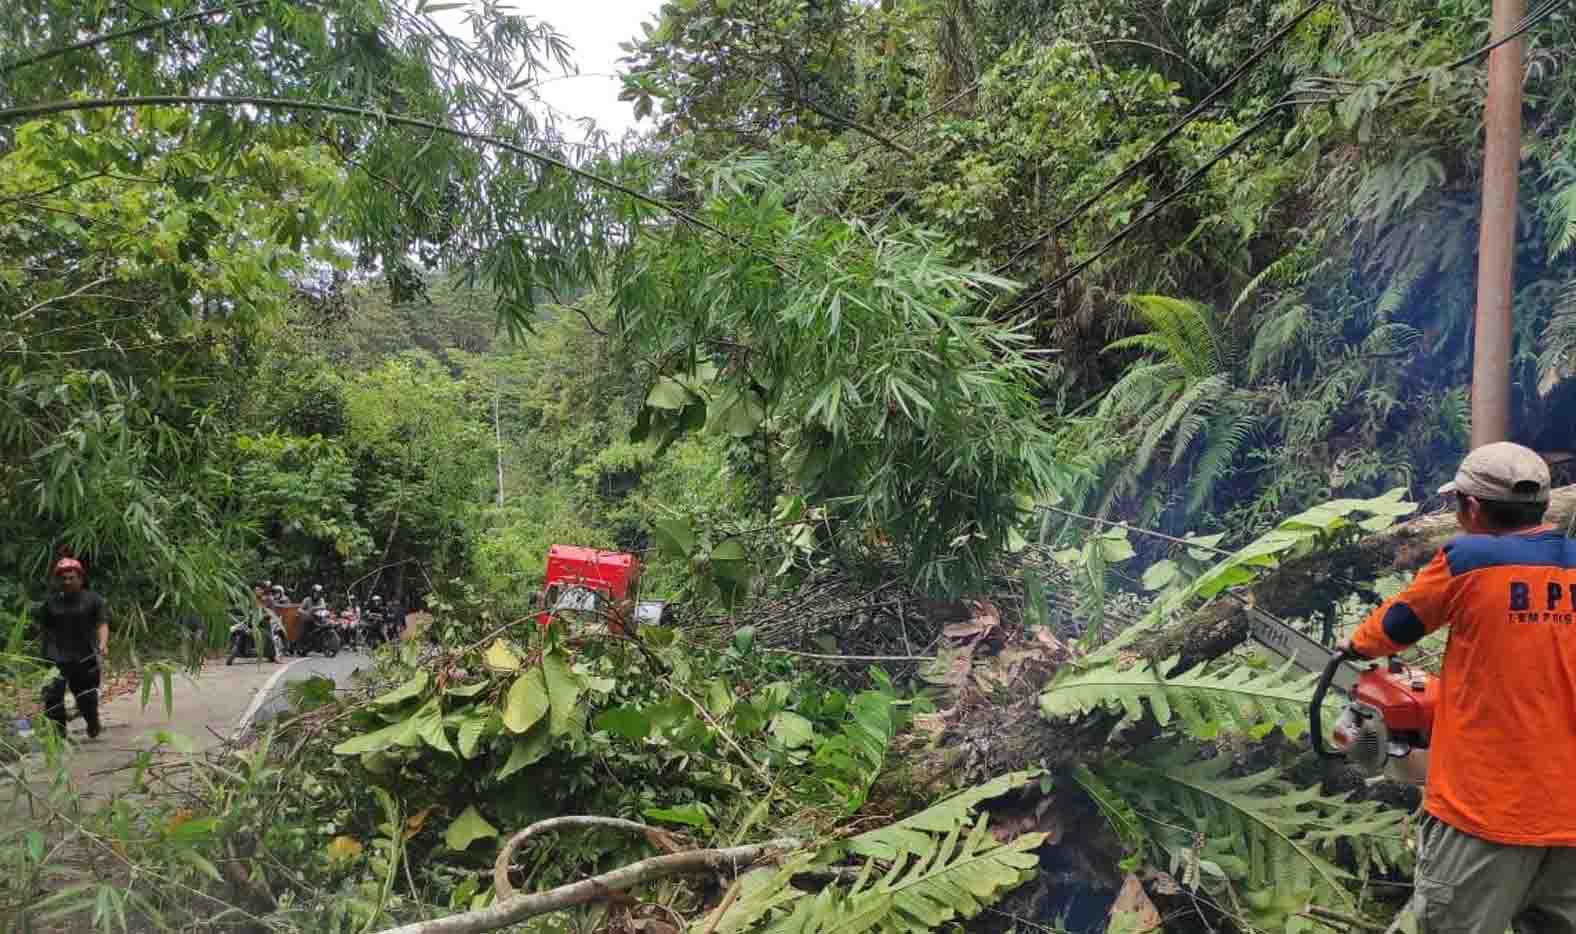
[(594, 28)]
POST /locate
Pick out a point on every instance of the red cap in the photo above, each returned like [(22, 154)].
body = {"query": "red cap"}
[(67, 564)]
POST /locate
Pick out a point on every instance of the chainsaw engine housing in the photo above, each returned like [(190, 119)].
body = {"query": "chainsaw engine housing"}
[(1361, 735), (1390, 716)]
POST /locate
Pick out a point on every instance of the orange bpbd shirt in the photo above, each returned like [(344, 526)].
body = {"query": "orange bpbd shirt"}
[(1502, 758)]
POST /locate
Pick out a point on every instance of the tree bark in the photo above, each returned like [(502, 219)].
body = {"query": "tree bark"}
[(513, 909), (1308, 586)]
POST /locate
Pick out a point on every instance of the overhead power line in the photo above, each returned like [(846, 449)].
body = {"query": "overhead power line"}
[(1292, 99), (1154, 149)]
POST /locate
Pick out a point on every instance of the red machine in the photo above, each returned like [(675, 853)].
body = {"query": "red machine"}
[(1385, 727), (589, 580)]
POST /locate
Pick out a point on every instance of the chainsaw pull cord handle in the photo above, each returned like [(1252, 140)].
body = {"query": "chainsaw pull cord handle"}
[(1316, 709)]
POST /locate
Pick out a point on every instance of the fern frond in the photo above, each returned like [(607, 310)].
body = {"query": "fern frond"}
[(1154, 343), (1563, 220), (761, 892), (911, 833), (1272, 841), (955, 878), (1188, 329), (1400, 287), (1557, 343), (920, 873), (1203, 701), (1225, 436), (1139, 389), (1392, 337), (1200, 397), (1187, 431), (1390, 190), (1278, 337)]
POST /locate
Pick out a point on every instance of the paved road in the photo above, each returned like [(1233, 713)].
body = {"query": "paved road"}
[(274, 699), (208, 708)]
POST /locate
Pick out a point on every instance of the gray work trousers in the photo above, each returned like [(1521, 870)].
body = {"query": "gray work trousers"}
[(1467, 885)]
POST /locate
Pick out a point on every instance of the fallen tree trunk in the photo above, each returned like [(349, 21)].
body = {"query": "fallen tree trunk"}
[(1310, 586)]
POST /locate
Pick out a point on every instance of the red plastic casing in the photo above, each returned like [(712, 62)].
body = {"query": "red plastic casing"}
[(613, 573), (1397, 698)]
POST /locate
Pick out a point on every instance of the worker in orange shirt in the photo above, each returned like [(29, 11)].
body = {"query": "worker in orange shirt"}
[(1497, 844)]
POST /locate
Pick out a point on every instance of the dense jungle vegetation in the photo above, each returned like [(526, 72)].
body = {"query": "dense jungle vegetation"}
[(885, 295)]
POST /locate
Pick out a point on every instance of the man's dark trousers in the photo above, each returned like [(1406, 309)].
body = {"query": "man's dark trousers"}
[(82, 677)]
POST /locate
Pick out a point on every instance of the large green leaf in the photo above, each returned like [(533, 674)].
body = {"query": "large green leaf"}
[(466, 829), (1160, 574), (528, 750), (674, 537), (527, 701), (739, 413), (411, 688), (472, 729), (729, 562), (563, 691), (792, 729), (668, 394), (627, 722), (501, 657), (434, 734), (690, 815), (405, 732)]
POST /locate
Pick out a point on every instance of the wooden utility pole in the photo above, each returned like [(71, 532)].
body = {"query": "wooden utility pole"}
[(1497, 232)]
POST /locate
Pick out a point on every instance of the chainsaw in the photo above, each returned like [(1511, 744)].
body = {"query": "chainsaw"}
[(1385, 726)]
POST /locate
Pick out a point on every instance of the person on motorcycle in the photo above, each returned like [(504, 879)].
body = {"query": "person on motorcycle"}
[(243, 636), (375, 615), (395, 615), (314, 602), (277, 599)]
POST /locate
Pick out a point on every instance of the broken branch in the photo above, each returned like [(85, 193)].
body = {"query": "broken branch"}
[(514, 908)]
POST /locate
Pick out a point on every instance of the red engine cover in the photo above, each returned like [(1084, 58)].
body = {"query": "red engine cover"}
[(613, 573), (1405, 698)]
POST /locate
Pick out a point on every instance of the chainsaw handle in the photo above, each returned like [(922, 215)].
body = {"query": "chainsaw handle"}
[(1316, 709)]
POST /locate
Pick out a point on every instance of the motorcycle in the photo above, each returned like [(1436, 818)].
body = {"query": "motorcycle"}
[(370, 629), (321, 635), (393, 623), (243, 642), (345, 625)]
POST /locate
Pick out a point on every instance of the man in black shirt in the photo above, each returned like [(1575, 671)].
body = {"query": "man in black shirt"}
[(75, 630)]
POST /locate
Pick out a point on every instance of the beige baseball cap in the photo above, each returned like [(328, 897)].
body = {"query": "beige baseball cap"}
[(1502, 472)]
